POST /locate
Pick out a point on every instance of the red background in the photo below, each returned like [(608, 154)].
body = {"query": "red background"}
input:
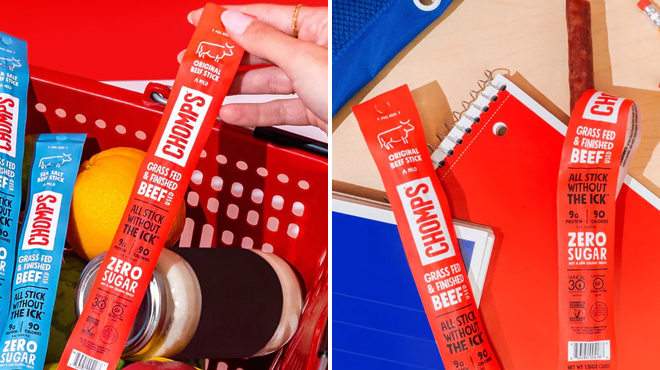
[(107, 40)]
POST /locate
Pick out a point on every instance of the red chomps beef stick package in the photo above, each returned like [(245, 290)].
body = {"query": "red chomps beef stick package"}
[(393, 131), (206, 72), (602, 136)]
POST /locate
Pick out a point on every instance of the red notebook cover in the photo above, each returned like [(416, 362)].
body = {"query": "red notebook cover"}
[(509, 183)]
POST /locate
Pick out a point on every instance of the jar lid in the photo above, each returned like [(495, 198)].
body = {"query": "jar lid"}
[(151, 316)]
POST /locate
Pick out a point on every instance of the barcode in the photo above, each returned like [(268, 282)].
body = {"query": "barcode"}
[(81, 361), (584, 351)]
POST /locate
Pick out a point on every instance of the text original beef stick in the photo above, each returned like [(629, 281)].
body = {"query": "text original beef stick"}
[(393, 131), (206, 72), (601, 139)]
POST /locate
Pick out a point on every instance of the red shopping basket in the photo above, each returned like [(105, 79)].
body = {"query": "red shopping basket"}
[(245, 193)]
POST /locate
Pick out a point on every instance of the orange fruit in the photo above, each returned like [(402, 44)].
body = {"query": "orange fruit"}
[(100, 196)]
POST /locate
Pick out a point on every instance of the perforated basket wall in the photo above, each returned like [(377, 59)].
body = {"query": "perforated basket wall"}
[(245, 192)]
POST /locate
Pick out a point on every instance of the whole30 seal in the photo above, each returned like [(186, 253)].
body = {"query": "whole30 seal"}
[(104, 325), (39, 258)]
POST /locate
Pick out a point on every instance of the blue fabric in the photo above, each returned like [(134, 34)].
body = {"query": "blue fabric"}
[(378, 319), (366, 35)]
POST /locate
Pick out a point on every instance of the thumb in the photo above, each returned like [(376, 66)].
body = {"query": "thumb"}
[(262, 40)]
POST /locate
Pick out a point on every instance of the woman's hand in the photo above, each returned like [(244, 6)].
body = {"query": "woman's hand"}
[(300, 65)]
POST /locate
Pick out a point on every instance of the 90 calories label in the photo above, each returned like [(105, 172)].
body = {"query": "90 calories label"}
[(206, 73), (39, 257), (392, 128), (602, 136)]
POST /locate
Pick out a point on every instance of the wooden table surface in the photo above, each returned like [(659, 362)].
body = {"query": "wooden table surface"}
[(529, 38)]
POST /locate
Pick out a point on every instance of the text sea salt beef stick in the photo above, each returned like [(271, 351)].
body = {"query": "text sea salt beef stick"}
[(54, 170), (200, 87), (14, 81), (601, 138), (393, 131)]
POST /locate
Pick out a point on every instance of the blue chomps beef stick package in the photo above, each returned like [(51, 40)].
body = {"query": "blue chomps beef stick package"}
[(14, 81), (39, 257)]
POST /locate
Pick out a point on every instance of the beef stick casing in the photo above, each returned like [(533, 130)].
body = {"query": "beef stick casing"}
[(580, 49), (393, 131), (206, 73)]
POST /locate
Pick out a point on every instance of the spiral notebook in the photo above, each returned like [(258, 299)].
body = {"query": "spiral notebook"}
[(499, 166)]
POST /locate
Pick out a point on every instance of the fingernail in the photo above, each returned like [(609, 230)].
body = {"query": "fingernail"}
[(194, 14), (235, 21), (180, 56)]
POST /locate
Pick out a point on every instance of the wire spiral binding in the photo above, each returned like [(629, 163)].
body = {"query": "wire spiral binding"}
[(465, 119)]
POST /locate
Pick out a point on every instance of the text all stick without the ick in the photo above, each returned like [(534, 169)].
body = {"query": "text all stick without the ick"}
[(393, 131), (601, 139), (39, 257), (14, 81), (206, 73)]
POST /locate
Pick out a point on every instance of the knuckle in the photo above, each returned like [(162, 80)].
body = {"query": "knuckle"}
[(272, 83), (282, 113), (278, 83), (258, 33)]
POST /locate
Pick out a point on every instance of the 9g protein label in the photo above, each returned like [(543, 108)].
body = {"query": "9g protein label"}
[(393, 131), (39, 257), (602, 136), (203, 80)]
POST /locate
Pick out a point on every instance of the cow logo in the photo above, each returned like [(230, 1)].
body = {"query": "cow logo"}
[(10, 63), (57, 161), (395, 135), (214, 51)]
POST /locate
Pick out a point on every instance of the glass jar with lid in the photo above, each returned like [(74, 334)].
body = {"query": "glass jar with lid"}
[(210, 303)]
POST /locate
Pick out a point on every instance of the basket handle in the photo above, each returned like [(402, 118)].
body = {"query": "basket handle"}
[(156, 94)]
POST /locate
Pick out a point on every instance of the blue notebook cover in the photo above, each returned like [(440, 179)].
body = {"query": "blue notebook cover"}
[(378, 319)]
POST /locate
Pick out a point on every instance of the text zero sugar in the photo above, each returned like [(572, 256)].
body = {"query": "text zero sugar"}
[(26, 332), (162, 179), (601, 137), (393, 131)]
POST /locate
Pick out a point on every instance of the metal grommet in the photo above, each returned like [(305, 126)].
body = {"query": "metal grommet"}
[(158, 98)]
